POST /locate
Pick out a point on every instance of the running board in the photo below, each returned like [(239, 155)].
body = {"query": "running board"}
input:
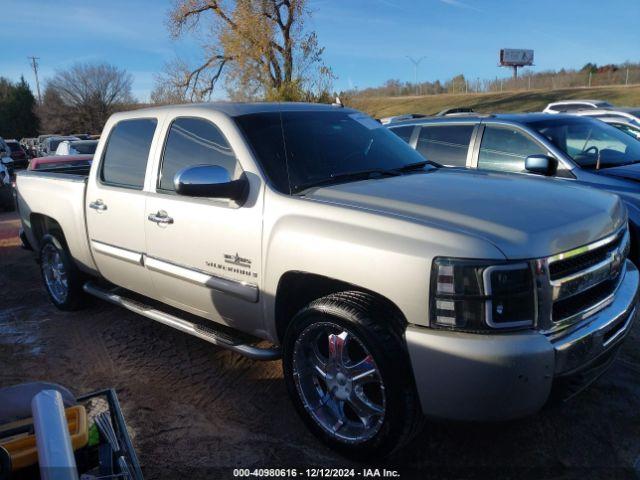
[(208, 334)]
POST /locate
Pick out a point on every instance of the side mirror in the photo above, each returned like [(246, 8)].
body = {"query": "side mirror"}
[(541, 165), (211, 181)]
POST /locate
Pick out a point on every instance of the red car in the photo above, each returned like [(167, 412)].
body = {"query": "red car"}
[(17, 153), (60, 161)]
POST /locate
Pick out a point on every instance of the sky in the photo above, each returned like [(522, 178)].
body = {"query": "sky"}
[(367, 41)]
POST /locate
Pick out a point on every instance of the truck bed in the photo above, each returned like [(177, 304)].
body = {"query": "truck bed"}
[(56, 194)]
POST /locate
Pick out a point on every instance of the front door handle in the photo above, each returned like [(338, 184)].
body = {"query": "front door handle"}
[(98, 205), (160, 218)]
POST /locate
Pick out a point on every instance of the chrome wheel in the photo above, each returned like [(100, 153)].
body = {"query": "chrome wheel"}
[(55, 274), (338, 382)]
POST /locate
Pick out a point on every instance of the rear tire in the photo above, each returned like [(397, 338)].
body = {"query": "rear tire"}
[(62, 279), (349, 376)]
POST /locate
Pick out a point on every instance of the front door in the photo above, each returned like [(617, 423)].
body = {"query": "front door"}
[(115, 205), (204, 254)]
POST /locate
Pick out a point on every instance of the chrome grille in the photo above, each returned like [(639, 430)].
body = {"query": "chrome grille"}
[(584, 280)]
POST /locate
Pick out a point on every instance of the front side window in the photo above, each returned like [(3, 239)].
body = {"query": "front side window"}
[(297, 149), (506, 149), (445, 144), (194, 141), (125, 158), (590, 143)]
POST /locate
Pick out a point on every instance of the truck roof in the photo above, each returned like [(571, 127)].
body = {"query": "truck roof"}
[(235, 109)]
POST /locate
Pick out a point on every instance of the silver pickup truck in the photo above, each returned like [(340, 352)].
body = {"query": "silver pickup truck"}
[(392, 289)]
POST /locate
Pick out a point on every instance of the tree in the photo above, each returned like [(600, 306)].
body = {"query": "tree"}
[(17, 110), (82, 98), (258, 48)]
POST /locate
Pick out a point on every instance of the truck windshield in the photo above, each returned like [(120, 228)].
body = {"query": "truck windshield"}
[(591, 143), (298, 149)]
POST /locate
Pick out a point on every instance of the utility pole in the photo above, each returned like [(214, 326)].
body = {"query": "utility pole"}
[(415, 62), (34, 64), (626, 80)]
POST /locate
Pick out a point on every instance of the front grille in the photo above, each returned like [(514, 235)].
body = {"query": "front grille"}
[(574, 305), (584, 279), (564, 268)]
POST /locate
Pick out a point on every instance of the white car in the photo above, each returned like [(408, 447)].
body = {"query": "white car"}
[(569, 106), (77, 147)]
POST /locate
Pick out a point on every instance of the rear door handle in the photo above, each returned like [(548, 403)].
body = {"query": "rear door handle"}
[(98, 205), (160, 218)]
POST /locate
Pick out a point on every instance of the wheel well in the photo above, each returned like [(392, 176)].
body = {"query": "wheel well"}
[(298, 289), (42, 225)]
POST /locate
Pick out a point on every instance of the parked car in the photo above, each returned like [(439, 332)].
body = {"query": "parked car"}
[(573, 105), (625, 119), (390, 287), (577, 150), (39, 143), (17, 154), (77, 147), (28, 144), (60, 161), (5, 156), (50, 144)]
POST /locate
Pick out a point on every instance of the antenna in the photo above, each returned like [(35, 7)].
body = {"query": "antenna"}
[(34, 64)]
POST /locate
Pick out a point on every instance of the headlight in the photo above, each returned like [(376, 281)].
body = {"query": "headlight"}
[(479, 296)]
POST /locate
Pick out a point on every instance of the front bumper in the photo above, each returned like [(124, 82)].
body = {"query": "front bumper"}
[(465, 376)]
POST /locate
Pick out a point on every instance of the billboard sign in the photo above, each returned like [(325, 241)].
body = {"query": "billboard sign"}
[(514, 57)]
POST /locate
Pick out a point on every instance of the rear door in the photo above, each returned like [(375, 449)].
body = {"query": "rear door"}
[(204, 257), (115, 204)]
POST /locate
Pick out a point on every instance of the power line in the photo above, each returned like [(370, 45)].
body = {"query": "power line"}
[(34, 64)]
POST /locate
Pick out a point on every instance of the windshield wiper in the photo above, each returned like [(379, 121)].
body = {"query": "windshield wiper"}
[(415, 166), (347, 177)]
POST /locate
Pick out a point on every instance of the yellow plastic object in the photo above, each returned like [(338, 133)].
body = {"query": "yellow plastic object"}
[(22, 447)]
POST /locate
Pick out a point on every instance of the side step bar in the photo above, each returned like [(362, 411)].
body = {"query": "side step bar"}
[(208, 334)]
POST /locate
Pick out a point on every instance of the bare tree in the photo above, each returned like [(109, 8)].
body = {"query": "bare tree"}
[(83, 97), (259, 48)]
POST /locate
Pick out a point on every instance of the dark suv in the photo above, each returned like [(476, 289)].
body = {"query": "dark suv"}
[(577, 150)]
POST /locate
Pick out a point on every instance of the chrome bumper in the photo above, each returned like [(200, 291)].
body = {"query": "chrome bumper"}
[(498, 377)]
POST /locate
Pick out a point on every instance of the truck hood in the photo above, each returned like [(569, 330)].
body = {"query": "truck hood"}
[(523, 217), (629, 172)]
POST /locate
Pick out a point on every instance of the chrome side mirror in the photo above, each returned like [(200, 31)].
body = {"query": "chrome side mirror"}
[(211, 181)]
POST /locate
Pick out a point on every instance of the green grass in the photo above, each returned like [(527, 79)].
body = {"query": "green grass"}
[(522, 101)]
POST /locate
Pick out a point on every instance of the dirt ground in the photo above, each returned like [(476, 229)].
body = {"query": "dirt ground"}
[(196, 411)]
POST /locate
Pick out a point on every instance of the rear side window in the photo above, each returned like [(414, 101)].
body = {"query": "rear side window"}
[(403, 132), (194, 141), (125, 158), (445, 144), (506, 149)]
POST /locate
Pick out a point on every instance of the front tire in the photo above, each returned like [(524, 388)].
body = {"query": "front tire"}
[(62, 279), (349, 376)]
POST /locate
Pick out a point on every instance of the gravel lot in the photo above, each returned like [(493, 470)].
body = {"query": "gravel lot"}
[(198, 412)]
